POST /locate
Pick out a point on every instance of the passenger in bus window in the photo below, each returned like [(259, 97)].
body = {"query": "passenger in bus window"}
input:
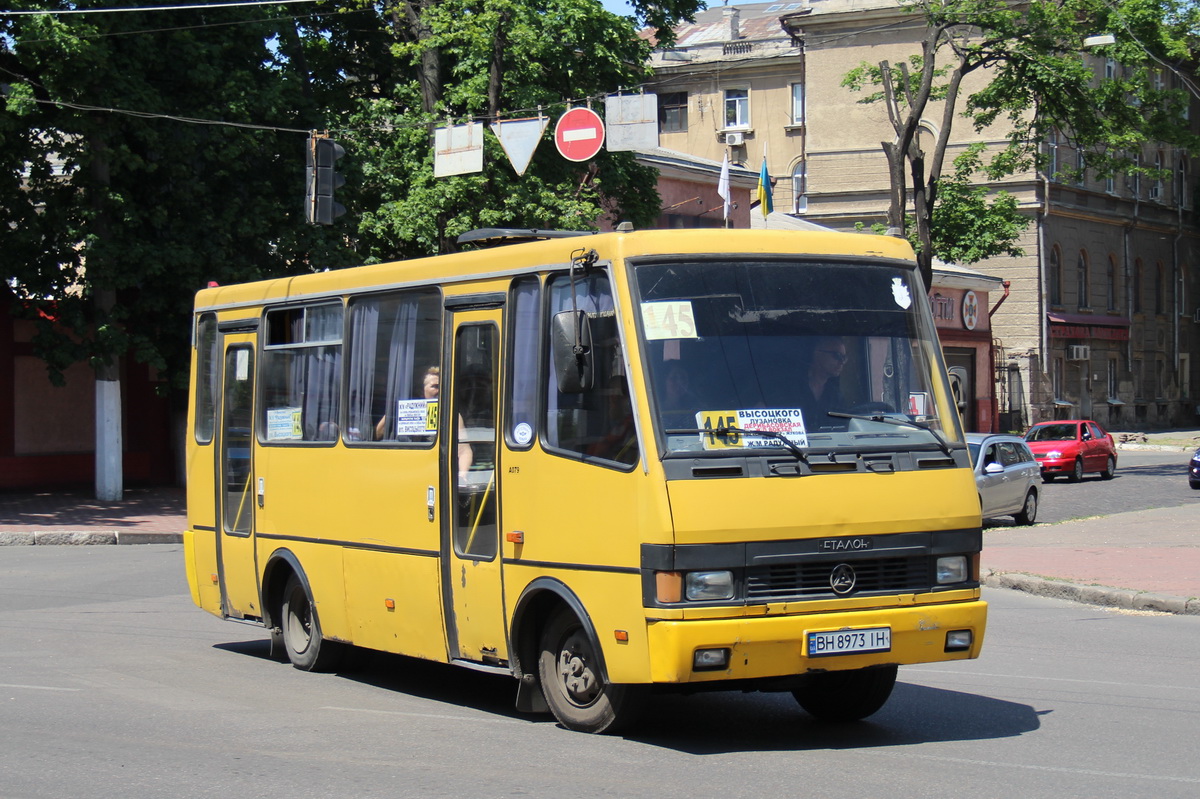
[(821, 391)]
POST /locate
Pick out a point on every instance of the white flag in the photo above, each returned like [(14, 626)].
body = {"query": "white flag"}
[(723, 184)]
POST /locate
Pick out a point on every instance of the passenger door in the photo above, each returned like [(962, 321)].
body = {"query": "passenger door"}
[(236, 495), (473, 588)]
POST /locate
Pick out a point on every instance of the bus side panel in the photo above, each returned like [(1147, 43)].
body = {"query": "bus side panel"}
[(376, 500), (303, 502), (413, 625), (200, 539), (386, 494), (575, 513)]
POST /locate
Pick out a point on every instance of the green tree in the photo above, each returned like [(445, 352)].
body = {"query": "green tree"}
[(1038, 80), (111, 219), (119, 197)]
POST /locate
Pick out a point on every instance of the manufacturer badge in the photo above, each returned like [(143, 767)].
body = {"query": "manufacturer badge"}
[(842, 579)]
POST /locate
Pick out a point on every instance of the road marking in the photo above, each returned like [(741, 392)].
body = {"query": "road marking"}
[(471, 719), (1056, 679), (1058, 769), (36, 687)]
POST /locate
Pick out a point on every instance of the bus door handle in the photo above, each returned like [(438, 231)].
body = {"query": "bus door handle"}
[(429, 501)]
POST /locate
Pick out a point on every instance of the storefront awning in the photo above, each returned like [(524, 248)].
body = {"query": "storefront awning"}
[(1088, 326)]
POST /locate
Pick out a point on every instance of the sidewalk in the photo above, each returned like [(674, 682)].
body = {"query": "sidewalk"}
[(1143, 560), (144, 516)]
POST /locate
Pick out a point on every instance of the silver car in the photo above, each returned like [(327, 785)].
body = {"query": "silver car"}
[(1007, 476)]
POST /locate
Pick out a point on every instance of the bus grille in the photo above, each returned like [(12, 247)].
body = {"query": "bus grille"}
[(811, 580)]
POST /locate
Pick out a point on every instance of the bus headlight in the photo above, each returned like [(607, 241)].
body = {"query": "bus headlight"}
[(702, 586), (952, 569)]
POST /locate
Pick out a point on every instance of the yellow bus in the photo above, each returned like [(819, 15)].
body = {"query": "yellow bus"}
[(603, 464)]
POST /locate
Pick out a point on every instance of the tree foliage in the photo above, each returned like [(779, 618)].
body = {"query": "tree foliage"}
[(1039, 78), (143, 155)]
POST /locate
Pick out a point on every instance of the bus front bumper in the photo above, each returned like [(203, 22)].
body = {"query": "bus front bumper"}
[(778, 646)]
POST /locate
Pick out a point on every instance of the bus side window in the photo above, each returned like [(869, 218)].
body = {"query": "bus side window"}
[(394, 375), (206, 378), (301, 373), (523, 363), (596, 424)]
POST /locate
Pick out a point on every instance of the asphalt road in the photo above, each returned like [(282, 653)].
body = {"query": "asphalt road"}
[(113, 685), (1144, 480)]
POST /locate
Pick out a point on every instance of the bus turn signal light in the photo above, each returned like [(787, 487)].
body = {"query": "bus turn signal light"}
[(668, 586)]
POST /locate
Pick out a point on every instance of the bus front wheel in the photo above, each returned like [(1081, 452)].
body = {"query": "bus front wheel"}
[(572, 682), (302, 632), (846, 695)]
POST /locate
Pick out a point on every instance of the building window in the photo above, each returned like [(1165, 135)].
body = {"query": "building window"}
[(797, 103), (1081, 280), (1052, 148), (1137, 177), (1110, 69), (737, 108), (1181, 185), (800, 188), (1080, 167), (1110, 284), (673, 112), (1054, 277), (1056, 378), (1138, 276), (1112, 379), (1160, 290), (1156, 188)]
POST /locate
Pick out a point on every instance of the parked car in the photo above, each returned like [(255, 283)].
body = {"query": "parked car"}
[(1072, 447), (1006, 475), (1194, 470)]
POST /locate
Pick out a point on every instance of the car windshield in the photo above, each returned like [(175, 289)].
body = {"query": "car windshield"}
[(809, 353), (1053, 432)]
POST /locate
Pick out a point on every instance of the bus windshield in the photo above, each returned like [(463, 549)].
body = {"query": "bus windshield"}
[(798, 353)]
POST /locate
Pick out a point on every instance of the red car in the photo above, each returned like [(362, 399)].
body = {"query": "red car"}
[(1072, 447)]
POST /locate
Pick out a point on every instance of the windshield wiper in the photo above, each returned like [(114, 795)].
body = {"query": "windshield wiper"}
[(726, 431), (899, 422)]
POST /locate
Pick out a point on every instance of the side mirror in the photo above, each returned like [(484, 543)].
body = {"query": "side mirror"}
[(993, 468), (571, 347)]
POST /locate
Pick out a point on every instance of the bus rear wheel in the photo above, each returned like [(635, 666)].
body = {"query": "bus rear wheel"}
[(572, 682), (846, 695), (302, 632)]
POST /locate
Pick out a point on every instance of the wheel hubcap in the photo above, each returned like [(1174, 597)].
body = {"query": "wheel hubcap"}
[(574, 670)]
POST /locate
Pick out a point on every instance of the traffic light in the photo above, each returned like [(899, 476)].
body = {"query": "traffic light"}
[(321, 180)]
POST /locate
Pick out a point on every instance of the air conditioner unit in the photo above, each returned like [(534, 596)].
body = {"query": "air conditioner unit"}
[(735, 139), (1078, 352)]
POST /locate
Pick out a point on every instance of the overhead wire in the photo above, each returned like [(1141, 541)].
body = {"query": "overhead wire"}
[(46, 12)]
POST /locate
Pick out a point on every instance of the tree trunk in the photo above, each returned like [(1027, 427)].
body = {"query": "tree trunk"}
[(109, 477)]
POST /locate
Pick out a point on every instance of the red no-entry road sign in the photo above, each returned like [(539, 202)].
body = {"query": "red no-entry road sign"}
[(579, 134)]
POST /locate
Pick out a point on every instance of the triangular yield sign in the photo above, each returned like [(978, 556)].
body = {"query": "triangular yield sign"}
[(519, 138)]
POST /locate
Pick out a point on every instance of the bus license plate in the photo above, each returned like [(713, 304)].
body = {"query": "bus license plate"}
[(842, 642)]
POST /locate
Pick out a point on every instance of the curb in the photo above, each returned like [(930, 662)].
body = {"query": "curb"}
[(85, 538), (1157, 447), (1124, 598)]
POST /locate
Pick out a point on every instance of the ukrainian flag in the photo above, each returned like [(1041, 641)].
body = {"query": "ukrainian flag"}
[(764, 190)]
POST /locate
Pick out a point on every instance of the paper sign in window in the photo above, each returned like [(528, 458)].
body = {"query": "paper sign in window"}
[(668, 320), (283, 424), (416, 417)]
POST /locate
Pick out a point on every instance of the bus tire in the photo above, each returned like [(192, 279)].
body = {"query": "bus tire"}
[(846, 695), (302, 641), (573, 683)]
